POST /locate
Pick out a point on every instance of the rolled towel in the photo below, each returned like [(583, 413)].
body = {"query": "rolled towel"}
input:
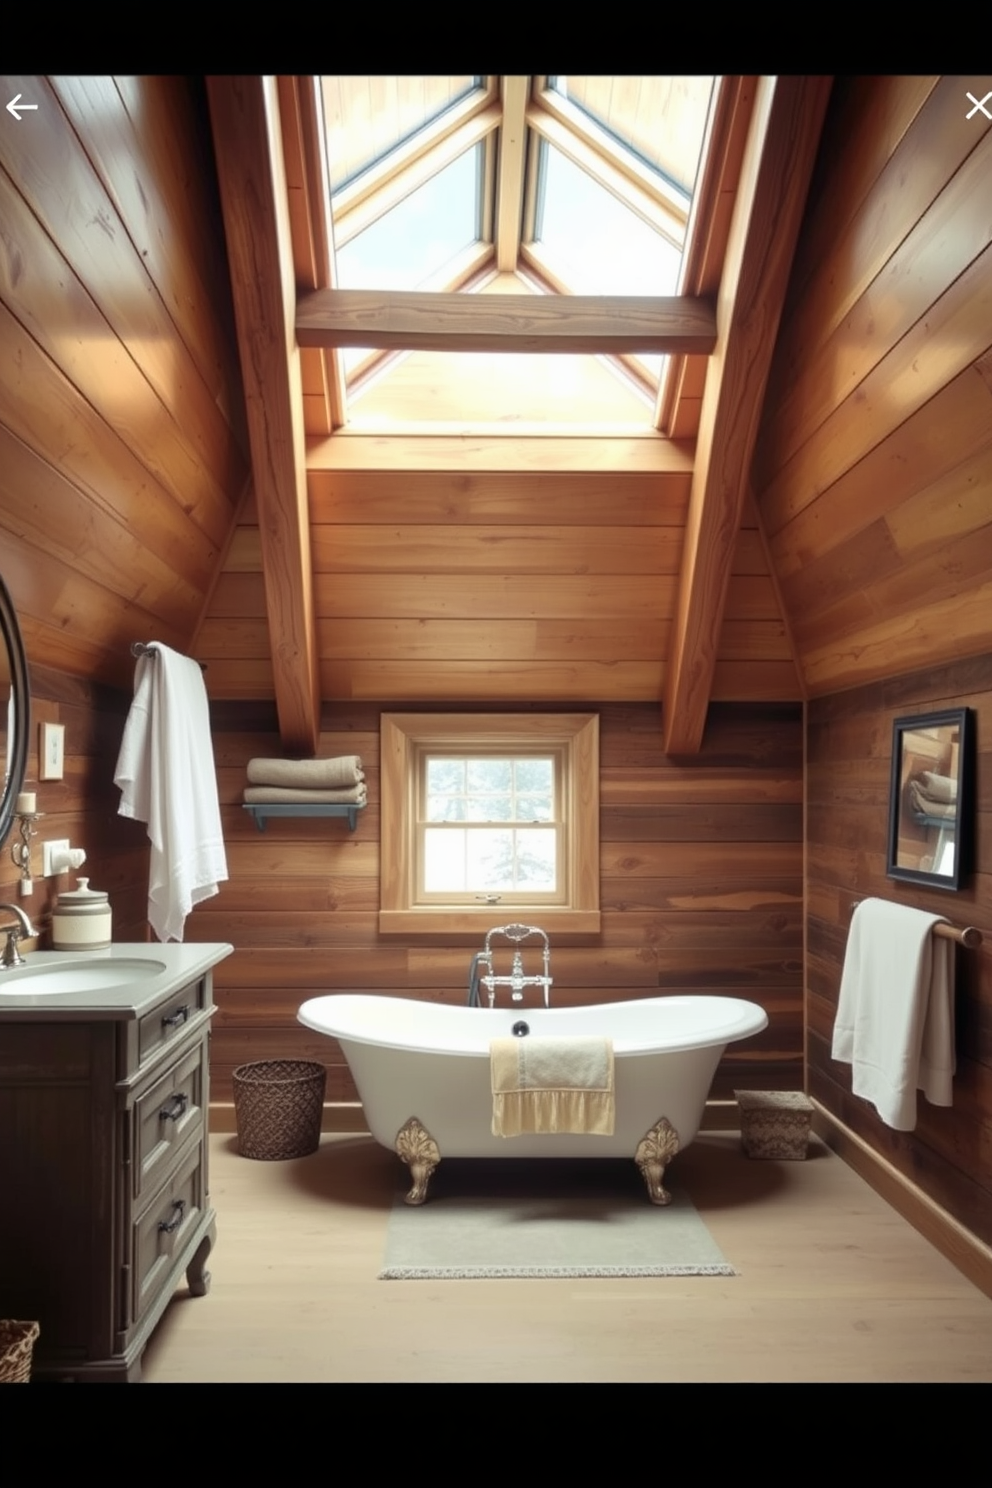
[(340, 773), (273, 795), (939, 787), (931, 807), (552, 1085)]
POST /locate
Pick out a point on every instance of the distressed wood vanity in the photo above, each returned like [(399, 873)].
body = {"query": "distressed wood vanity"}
[(103, 1151)]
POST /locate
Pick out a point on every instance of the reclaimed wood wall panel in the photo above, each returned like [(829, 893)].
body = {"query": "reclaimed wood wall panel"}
[(701, 880), (849, 752), (121, 408), (554, 586), (871, 473), (82, 806)]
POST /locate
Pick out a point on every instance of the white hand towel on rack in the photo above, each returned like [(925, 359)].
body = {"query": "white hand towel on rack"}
[(165, 771), (895, 1013)]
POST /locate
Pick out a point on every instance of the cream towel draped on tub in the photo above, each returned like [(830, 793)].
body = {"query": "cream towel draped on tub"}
[(895, 1013), (552, 1085), (165, 772)]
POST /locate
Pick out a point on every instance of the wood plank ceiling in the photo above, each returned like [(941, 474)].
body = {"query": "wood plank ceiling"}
[(411, 545)]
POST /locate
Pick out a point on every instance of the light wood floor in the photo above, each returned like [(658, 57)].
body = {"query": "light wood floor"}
[(833, 1286)]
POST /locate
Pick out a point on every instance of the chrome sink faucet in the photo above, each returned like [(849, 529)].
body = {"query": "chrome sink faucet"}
[(19, 929)]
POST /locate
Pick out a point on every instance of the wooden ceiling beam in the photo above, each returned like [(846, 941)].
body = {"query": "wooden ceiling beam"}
[(778, 162), (311, 227), (510, 182), (578, 324), (248, 144)]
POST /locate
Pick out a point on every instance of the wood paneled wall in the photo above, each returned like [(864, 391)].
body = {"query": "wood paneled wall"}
[(489, 575), (949, 1155), (82, 806), (121, 412), (701, 878), (874, 461)]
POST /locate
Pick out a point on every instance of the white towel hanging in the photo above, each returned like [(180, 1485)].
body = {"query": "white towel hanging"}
[(895, 1012), (167, 779)]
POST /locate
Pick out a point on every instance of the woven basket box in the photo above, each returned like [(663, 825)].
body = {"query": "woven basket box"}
[(775, 1123)]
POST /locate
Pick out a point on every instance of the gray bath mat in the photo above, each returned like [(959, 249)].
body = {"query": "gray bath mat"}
[(520, 1219)]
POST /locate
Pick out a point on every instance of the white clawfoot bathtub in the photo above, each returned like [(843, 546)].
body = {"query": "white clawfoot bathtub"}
[(431, 1062)]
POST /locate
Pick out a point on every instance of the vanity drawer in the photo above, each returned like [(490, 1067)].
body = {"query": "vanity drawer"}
[(158, 1237), (167, 1115), (170, 1019)]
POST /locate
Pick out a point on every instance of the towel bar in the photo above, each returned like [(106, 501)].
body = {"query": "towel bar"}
[(970, 936), (138, 648)]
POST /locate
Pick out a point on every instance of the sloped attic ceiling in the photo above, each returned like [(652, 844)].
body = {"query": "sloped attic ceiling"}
[(420, 553)]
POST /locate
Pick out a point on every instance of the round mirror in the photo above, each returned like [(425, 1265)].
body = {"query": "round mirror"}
[(15, 706)]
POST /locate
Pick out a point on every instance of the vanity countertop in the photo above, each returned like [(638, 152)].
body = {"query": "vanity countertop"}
[(181, 962)]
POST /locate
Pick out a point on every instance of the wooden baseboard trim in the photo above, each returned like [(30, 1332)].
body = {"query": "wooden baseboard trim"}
[(721, 1115), (971, 1256)]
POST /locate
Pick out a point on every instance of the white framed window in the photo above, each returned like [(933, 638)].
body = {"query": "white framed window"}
[(487, 811)]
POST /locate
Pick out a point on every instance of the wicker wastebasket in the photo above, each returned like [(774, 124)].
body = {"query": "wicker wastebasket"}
[(16, 1345), (278, 1105), (775, 1123)]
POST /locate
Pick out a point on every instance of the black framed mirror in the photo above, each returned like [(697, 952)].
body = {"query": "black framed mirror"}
[(15, 710), (930, 799)]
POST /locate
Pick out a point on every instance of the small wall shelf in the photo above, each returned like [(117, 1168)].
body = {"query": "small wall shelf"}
[(262, 810)]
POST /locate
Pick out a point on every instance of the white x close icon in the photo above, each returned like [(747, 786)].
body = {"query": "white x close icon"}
[(972, 99)]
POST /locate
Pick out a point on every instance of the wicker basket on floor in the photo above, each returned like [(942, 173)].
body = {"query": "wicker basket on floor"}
[(16, 1344), (278, 1104)]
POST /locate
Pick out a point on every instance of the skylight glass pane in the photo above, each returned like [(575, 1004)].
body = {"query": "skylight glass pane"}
[(367, 117), (420, 234), (598, 245), (661, 120)]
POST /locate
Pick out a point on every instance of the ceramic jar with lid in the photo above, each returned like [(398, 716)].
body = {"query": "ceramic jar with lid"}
[(81, 919)]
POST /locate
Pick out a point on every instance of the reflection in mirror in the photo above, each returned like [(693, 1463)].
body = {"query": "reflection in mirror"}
[(928, 805), (14, 711)]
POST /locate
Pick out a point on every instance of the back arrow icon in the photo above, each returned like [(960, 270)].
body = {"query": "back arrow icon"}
[(15, 104)]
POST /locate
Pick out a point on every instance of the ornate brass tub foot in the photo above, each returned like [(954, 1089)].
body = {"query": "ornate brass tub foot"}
[(420, 1152), (654, 1152)]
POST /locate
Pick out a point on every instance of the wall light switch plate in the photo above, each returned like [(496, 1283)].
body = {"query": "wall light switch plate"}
[(51, 751)]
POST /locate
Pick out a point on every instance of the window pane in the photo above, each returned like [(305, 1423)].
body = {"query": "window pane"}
[(489, 775), (661, 120), (489, 859), (445, 775), (420, 234), (534, 775), (535, 860), (446, 808), (535, 808), (598, 245), (444, 862), (366, 118), (491, 808)]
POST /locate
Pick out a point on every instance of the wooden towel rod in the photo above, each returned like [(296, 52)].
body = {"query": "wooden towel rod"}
[(970, 936)]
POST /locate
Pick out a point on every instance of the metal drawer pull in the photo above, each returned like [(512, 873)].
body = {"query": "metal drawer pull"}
[(167, 1226), (175, 1107), (179, 1016)]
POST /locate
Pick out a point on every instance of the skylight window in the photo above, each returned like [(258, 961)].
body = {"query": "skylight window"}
[(418, 236), (367, 118), (597, 244), (660, 120), (578, 185)]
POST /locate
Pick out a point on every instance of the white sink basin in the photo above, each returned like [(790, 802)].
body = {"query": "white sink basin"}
[(94, 974)]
